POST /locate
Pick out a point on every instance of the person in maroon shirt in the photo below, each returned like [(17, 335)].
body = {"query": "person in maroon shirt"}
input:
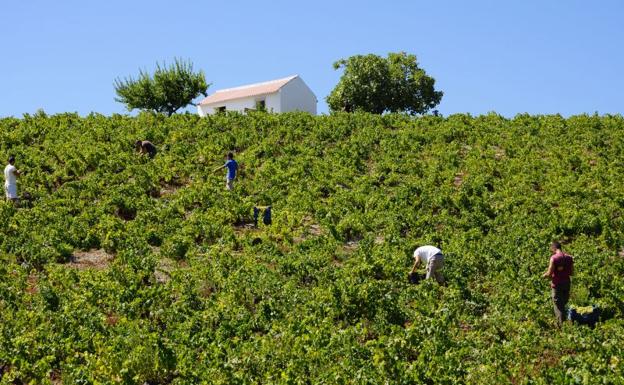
[(560, 268)]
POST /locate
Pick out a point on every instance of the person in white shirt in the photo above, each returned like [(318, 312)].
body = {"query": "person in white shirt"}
[(10, 180), (433, 259)]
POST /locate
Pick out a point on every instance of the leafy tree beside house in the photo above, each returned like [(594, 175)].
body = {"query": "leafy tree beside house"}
[(375, 84), (169, 89)]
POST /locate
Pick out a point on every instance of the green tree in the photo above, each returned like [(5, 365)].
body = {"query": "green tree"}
[(168, 90), (374, 84)]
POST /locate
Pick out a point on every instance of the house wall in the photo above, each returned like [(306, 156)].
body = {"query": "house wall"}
[(293, 96), (297, 96), (272, 103)]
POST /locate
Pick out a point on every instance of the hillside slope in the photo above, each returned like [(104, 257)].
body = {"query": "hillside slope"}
[(124, 269)]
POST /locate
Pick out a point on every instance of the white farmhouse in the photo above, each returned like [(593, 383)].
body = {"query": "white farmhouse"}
[(281, 95)]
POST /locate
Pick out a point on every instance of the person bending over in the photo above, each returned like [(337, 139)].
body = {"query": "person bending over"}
[(145, 147), (433, 259)]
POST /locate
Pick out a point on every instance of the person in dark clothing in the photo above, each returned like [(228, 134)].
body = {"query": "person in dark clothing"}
[(145, 147), (560, 269)]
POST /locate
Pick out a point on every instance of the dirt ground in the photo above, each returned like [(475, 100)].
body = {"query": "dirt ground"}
[(92, 259)]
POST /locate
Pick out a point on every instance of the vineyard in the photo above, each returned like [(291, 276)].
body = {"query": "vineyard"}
[(118, 268)]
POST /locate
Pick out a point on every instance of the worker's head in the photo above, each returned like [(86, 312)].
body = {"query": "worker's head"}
[(555, 245), (137, 144), (11, 159), (230, 155)]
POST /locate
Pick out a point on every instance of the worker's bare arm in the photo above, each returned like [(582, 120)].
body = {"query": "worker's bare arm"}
[(550, 271), (416, 263)]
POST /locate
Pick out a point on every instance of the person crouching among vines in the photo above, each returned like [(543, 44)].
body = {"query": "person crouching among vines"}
[(232, 167), (11, 173), (560, 268), (145, 147), (433, 259)]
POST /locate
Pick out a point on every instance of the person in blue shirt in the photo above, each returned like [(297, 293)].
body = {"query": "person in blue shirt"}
[(232, 167)]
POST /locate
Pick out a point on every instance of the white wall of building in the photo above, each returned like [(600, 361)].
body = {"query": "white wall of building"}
[(297, 96), (293, 96), (272, 104)]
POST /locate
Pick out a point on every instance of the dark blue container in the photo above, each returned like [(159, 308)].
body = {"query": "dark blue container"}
[(585, 319), (256, 212), (266, 219)]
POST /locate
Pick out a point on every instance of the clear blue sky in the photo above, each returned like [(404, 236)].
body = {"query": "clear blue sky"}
[(531, 56)]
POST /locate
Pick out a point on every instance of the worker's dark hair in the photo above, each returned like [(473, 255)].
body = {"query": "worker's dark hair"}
[(556, 244), (230, 155), (11, 159), (137, 143)]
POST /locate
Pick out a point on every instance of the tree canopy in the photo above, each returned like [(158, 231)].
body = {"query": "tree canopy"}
[(169, 89), (375, 84)]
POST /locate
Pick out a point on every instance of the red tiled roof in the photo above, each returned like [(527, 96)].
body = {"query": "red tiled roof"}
[(246, 91)]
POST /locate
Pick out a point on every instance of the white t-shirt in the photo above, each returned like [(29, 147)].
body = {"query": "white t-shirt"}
[(426, 252), (9, 175)]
